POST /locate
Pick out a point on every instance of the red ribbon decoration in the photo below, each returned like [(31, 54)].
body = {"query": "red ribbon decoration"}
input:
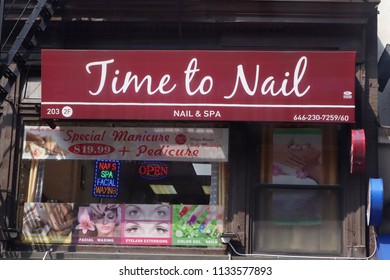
[(358, 150)]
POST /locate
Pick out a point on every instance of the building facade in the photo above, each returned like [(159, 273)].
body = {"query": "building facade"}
[(189, 129)]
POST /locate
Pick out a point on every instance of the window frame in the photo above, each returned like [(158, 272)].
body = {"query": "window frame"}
[(331, 182)]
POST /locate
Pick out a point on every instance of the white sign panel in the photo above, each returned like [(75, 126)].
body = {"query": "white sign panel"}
[(126, 143)]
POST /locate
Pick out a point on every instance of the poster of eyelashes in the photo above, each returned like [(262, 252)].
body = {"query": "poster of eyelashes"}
[(126, 224)]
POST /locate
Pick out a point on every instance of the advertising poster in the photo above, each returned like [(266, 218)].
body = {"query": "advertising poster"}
[(98, 224), (134, 143), (197, 225), (126, 224), (147, 224), (48, 222), (297, 156)]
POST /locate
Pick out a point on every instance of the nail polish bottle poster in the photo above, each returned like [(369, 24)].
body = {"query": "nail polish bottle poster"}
[(197, 225)]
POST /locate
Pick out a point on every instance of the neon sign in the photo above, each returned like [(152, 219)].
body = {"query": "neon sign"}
[(153, 170), (106, 182)]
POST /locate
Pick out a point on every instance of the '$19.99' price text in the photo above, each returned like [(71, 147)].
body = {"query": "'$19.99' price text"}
[(91, 149)]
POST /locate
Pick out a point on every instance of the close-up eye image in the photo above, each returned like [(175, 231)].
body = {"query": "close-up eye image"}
[(134, 212)]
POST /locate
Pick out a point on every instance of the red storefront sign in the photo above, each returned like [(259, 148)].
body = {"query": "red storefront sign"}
[(358, 151), (286, 86)]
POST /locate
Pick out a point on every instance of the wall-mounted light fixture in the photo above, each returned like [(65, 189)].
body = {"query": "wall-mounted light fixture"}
[(226, 237)]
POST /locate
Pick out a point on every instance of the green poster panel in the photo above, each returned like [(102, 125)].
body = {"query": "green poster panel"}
[(197, 225)]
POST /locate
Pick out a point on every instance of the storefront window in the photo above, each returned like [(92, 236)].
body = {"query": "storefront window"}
[(297, 205), (141, 182), (172, 195)]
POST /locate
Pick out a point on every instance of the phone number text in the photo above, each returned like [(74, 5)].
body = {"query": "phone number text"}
[(319, 117)]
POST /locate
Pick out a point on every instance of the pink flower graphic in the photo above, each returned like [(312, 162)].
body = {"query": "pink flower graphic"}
[(85, 222)]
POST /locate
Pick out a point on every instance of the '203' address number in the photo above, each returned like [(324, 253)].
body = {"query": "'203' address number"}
[(66, 111)]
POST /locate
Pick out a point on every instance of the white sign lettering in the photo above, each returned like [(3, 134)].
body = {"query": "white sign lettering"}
[(131, 81), (268, 85)]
